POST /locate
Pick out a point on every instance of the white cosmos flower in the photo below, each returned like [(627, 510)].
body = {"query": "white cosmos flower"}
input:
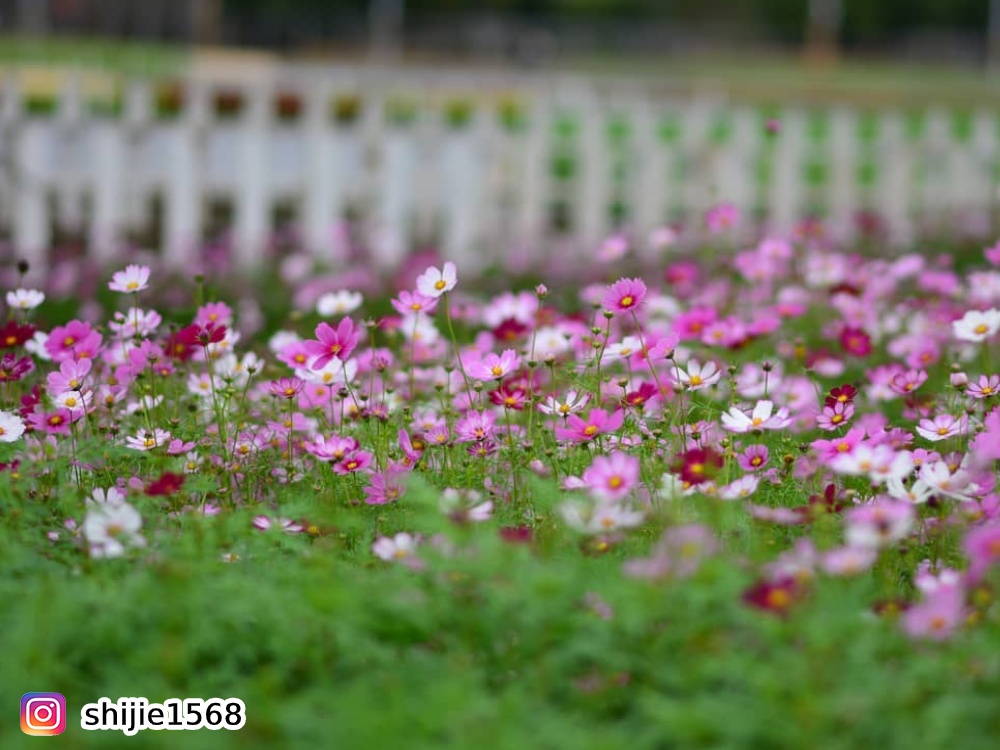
[(111, 529), (696, 376), (25, 299), (434, 283), (342, 302), (763, 417), (11, 427), (976, 326)]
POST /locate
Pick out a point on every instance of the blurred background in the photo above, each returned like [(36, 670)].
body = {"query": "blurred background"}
[(537, 32), (487, 129)]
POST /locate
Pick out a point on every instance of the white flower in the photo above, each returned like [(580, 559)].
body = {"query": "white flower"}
[(25, 299), (626, 348), (11, 427), (743, 487), (36, 346), (112, 528), (75, 401), (698, 376), (419, 328), (396, 549), (133, 279), (977, 326), (763, 417), (918, 493), (434, 283), (602, 518), (342, 302), (146, 441), (110, 497), (939, 477)]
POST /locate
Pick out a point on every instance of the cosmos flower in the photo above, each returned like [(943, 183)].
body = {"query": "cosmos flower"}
[(434, 283), (976, 326), (132, 280)]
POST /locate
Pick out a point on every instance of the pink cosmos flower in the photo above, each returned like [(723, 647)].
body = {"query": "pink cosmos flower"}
[(613, 476), (493, 367), (878, 524), (907, 382), (354, 462), (679, 553), (835, 416), (411, 303), (386, 487), (475, 427), (986, 386), (848, 560), (434, 283), (721, 217), (75, 340), (624, 295), (598, 422), (763, 417), (982, 547), (265, 523), (754, 457), (940, 613), (942, 427), (132, 280), (332, 343)]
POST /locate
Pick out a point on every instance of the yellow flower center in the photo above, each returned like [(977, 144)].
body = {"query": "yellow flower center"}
[(627, 301), (590, 430), (440, 284)]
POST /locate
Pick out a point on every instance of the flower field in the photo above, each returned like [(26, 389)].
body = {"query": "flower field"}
[(742, 498)]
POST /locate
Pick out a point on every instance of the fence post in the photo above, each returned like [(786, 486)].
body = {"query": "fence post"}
[(32, 223), (322, 174), (184, 204), (253, 209), (108, 172)]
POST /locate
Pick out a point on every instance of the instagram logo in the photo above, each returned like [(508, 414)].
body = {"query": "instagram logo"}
[(43, 714)]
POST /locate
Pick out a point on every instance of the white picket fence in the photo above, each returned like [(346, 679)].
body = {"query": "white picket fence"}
[(603, 156)]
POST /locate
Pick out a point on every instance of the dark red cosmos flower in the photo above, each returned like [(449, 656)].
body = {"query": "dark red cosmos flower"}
[(855, 341), (196, 335), (828, 502), (509, 397), (639, 397), (697, 465), (516, 534), (167, 484), (509, 330), (773, 596), (841, 395), (178, 347), (13, 334), (13, 368), (29, 401)]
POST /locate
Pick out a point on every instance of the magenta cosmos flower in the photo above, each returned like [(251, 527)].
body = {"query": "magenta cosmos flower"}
[(332, 343), (598, 422), (493, 367), (612, 477), (624, 295)]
